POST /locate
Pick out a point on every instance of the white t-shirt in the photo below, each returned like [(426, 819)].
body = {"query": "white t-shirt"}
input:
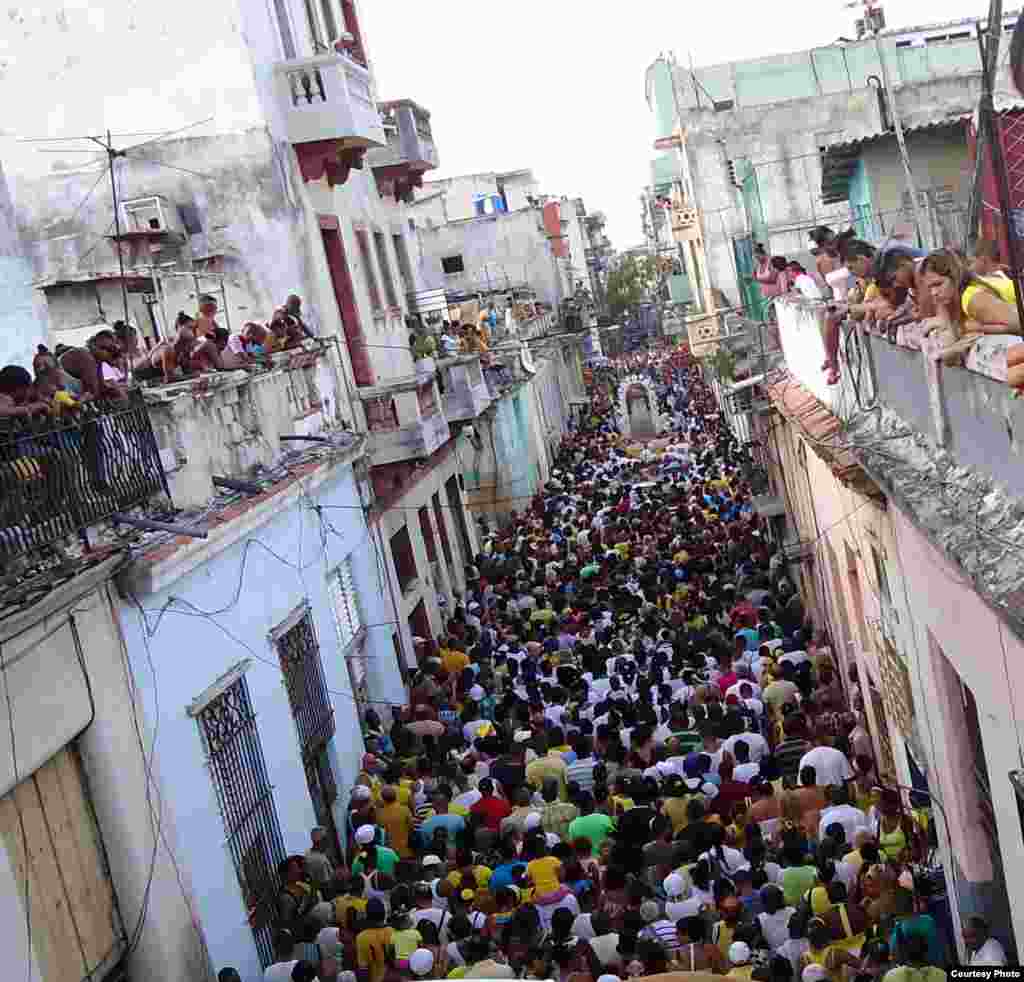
[(830, 766), (990, 953), (676, 910), (852, 820), (281, 972), (758, 745), (775, 927), (582, 927), (745, 772)]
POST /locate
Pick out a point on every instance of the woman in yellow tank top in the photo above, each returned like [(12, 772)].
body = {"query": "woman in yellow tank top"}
[(968, 303)]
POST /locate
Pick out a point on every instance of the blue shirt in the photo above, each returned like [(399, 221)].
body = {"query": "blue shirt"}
[(453, 824), (503, 875)]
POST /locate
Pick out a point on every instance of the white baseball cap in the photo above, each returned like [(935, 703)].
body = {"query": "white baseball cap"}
[(421, 961), (361, 792), (476, 693), (739, 953), (674, 884), (532, 820), (365, 834), (814, 973), (431, 860)]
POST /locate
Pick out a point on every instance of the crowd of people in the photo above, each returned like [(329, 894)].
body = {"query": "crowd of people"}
[(117, 357), (956, 298), (631, 753)]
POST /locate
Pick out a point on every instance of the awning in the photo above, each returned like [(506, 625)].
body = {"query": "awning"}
[(822, 430)]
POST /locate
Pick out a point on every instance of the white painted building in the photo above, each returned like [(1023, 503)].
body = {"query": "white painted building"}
[(324, 558)]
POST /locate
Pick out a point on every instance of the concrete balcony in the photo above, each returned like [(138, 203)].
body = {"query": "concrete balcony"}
[(410, 148), (404, 419), (329, 112), (231, 424), (965, 413), (466, 394)]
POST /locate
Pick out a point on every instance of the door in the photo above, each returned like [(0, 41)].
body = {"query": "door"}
[(750, 294), (345, 297)]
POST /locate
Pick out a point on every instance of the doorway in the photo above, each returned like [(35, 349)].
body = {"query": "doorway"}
[(345, 297)]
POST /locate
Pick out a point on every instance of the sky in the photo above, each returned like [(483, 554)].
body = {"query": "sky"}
[(558, 85)]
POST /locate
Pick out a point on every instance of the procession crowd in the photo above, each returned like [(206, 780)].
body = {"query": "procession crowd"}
[(631, 753)]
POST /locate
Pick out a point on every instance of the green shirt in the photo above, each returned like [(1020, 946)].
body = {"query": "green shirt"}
[(386, 860), (589, 571), (796, 881), (594, 827)]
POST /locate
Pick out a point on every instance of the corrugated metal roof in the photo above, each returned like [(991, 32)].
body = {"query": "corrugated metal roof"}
[(934, 124)]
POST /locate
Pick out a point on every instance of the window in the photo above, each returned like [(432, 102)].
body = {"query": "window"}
[(427, 400), (405, 561), (442, 529), (381, 414), (404, 269), (363, 241), (452, 265), (299, 651), (381, 246), (316, 29), (428, 534), (227, 726), (881, 576), (453, 492), (285, 27), (345, 600)]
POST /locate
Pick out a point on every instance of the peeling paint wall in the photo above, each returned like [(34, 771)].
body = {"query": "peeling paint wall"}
[(783, 139), (497, 252)]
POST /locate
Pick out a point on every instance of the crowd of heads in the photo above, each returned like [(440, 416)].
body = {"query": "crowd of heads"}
[(631, 752)]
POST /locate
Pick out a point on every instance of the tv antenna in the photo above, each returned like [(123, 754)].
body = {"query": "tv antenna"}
[(106, 143)]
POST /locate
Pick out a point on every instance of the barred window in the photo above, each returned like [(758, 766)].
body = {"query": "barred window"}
[(299, 651), (231, 740), (345, 600)]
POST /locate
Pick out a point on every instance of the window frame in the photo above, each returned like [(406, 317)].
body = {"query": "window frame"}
[(453, 272), (372, 283), (380, 247)]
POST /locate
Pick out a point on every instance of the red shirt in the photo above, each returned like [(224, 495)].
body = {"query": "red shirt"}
[(492, 810)]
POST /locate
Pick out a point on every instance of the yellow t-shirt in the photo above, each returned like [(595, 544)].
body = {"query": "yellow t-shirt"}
[(1002, 285), (370, 951), (544, 875), (342, 905), (454, 661)]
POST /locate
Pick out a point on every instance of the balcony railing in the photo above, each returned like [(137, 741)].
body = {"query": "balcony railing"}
[(410, 140), (60, 476), (329, 97)]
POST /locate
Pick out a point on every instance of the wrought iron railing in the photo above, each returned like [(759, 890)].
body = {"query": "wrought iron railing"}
[(58, 476)]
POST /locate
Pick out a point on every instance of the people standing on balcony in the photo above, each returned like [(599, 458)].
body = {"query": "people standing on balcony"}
[(293, 308), (85, 365), (205, 321), (18, 397)]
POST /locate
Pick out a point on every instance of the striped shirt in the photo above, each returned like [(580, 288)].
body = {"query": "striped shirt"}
[(582, 772), (664, 932), (788, 755)]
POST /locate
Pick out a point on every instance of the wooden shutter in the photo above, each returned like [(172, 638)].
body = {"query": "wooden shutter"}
[(76, 927)]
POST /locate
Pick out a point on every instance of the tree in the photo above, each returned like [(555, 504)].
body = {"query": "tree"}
[(630, 283)]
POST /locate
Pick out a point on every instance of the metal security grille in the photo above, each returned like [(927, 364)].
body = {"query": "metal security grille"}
[(348, 617), (232, 741), (299, 652), (59, 476)]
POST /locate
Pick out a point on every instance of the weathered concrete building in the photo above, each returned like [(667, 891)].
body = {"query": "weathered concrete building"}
[(780, 144), (896, 497)]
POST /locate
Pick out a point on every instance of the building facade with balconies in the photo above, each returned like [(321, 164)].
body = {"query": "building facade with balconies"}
[(901, 493)]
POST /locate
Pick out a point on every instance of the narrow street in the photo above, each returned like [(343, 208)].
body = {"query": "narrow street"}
[(487, 496)]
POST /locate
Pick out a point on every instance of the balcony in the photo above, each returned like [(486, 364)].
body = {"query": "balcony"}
[(59, 477), (944, 441), (466, 394), (231, 424), (410, 151), (404, 419), (330, 115)]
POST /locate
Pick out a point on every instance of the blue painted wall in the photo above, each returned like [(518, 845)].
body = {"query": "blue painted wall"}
[(187, 653)]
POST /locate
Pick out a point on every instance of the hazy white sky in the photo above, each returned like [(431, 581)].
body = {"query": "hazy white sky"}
[(558, 85)]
